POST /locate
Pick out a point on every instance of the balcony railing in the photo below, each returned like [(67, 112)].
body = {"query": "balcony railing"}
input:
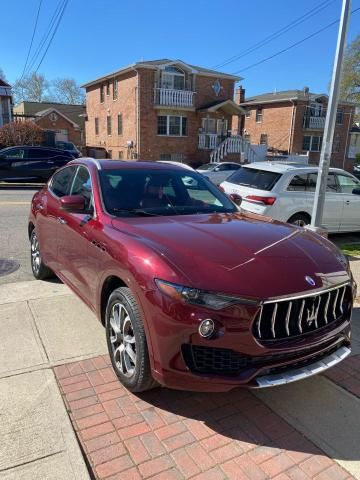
[(209, 140), (175, 98), (315, 123)]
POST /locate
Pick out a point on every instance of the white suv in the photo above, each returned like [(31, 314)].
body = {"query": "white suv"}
[(285, 192)]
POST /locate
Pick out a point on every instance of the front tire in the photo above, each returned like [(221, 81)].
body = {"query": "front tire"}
[(39, 269), (300, 219), (126, 341)]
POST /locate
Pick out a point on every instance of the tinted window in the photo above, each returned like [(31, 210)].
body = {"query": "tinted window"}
[(15, 153), (82, 186), (160, 193), (62, 180), (347, 184), (332, 185), (208, 166), (298, 183), (251, 177), (39, 153)]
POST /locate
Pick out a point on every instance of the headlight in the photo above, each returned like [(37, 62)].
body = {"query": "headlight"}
[(201, 298)]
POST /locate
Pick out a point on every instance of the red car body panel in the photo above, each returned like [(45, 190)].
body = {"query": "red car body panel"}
[(236, 254)]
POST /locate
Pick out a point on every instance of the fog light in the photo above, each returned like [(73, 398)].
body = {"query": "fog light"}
[(206, 328)]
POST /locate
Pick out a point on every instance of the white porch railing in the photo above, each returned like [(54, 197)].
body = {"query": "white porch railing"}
[(208, 140), (317, 123), (234, 144), (170, 97)]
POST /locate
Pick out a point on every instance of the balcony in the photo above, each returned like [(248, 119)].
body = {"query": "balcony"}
[(209, 141), (168, 97), (314, 123)]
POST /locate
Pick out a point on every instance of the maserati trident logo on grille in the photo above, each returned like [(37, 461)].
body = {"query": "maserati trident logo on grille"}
[(310, 280), (312, 313)]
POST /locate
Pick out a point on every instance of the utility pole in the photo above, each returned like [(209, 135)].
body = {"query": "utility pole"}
[(325, 155)]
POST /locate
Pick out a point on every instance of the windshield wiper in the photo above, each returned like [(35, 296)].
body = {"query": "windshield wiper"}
[(136, 211)]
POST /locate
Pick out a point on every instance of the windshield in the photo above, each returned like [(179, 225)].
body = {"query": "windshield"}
[(136, 192), (65, 145), (208, 166), (252, 177)]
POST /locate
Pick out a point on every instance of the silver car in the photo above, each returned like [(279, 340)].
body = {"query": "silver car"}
[(219, 171)]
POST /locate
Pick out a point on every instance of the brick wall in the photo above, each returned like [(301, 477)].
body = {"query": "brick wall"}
[(74, 135)]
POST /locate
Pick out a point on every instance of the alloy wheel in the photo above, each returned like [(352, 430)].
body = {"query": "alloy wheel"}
[(300, 222), (122, 338), (35, 254)]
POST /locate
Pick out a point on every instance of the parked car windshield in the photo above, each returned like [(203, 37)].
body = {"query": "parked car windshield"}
[(252, 177), (65, 145), (158, 192), (208, 166)]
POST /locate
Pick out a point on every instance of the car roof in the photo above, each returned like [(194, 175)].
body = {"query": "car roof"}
[(277, 167), (105, 164)]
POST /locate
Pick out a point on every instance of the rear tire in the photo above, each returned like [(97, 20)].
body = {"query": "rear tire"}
[(126, 341), (300, 220), (38, 267)]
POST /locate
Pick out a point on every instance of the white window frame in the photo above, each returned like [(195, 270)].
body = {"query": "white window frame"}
[(168, 126), (171, 78), (311, 142)]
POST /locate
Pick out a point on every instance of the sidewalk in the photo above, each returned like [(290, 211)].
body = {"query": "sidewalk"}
[(53, 347)]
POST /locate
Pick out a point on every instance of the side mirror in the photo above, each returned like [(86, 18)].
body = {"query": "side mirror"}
[(235, 198), (356, 191), (73, 203)]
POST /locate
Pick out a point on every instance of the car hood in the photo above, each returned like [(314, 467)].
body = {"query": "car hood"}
[(241, 254)]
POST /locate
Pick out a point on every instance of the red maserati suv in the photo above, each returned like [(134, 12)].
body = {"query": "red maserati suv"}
[(193, 293)]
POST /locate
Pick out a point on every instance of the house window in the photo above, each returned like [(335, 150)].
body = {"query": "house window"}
[(108, 88), (172, 125), (173, 78), (312, 143), (102, 94), (339, 116), (248, 113), (119, 124), (115, 89), (259, 115), (336, 144), (96, 126), (263, 139), (208, 125), (121, 155), (108, 124)]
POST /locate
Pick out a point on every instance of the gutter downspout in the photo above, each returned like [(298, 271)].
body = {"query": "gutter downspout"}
[(291, 126), (137, 110), (347, 139)]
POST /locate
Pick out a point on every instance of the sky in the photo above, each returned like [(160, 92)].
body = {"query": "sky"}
[(99, 36)]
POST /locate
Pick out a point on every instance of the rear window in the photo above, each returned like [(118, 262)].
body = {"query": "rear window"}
[(254, 178)]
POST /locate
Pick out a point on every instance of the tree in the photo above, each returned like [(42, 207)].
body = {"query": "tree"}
[(350, 82), (2, 75), (66, 90), (33, 88), (20, 133)]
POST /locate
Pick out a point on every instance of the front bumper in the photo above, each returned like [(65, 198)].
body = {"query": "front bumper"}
[(172, 328)]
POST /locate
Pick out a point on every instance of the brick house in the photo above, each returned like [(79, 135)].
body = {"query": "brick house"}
[(5, 103), (293, 121), (67, 121), (161, 109)]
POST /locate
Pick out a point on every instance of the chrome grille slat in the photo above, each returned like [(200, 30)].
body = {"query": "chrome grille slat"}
[(299, 315), (273, 319)]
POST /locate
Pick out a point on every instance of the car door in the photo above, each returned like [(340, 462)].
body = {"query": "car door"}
[(48, 213), (76, 250), (13, 163), (334, 204), (350, 220)]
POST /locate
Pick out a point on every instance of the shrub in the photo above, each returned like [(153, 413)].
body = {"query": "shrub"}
[(20, 133)]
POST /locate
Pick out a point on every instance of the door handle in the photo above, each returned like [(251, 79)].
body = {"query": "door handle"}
[(347, 202), (62, 221)]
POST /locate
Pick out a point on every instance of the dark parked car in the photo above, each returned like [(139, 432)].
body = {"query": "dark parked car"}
[(31, 164), (193, 294), (68, 147)]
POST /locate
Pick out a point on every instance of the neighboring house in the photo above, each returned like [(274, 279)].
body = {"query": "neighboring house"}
[(160, 110), (293, 122), (5, 103), (67, 121)]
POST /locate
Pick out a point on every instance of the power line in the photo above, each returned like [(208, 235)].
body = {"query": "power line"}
[(278, 33), (54, 33), (46, 35), (32, 38), (290, 46)]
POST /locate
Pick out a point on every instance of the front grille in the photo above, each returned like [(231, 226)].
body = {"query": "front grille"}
[(226, 362), (281, 319)]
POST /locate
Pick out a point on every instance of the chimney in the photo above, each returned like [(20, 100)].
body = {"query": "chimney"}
[(240, 95)]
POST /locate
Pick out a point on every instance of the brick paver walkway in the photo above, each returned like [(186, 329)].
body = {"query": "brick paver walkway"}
[(165, 434)]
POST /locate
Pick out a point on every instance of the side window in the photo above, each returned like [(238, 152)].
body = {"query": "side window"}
[(82, 186), (16, 153), (62, 180), (347, 184), (311, 185), (331, 183), (298, 184), (36, 153)]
